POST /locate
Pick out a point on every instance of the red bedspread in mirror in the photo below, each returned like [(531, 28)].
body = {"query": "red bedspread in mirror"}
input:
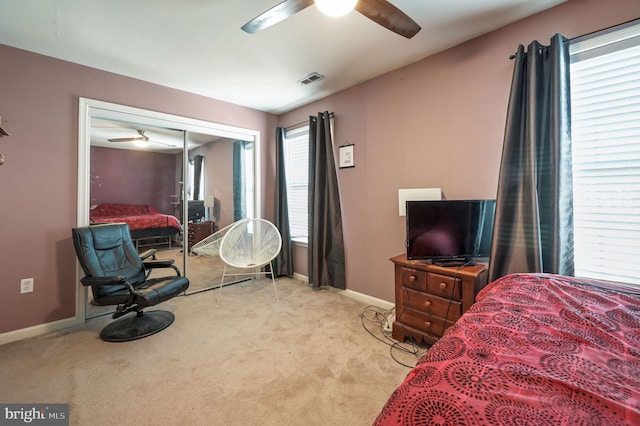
[(137, 216)]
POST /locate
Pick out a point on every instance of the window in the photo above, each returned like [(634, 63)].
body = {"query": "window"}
[(249, 190), (605, 103), (296, 152), (191, 179)]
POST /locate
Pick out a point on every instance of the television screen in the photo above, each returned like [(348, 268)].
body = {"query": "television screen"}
[(449, 229), (195, 210)]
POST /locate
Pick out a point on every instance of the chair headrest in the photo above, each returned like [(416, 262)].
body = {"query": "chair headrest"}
[(107, 249), (107, 240)]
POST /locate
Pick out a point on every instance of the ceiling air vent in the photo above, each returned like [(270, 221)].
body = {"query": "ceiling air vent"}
[(311, 78)]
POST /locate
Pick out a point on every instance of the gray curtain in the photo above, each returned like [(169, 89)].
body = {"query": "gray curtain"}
[(197, 175), (533, 229), (239, 192), (326, 245), (284, 261)]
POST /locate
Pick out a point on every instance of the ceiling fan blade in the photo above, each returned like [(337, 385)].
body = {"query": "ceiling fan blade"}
[(276, 14), (163, 143), (389, 16), (141, 137), (137, 138)]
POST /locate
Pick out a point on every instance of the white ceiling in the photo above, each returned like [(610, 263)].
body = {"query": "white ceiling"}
[(198, 46), (160, 139)]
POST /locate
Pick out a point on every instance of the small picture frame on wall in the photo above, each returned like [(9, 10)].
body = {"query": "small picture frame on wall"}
[(346, 159)]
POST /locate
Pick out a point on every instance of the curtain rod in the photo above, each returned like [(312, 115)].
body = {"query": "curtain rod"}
[(617, 26), (293, 126), (596, 32), (515, 55)]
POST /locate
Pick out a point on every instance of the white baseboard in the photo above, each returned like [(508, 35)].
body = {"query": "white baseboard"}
[(300, 277), (369, 300), (360, 297), (37, 330)]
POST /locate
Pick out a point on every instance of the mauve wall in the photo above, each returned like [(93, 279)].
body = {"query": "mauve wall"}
[(218, 180), (38, 182), (133, 177), (436, 123)]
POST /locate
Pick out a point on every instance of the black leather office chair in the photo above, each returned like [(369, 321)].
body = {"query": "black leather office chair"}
[(117, 275)]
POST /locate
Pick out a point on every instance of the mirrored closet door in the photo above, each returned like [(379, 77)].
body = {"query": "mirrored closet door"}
[(202, 176)]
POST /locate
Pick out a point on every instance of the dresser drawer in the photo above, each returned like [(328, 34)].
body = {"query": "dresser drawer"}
[(424, 322), (430, 298), (425, 302), (443, 285), (412, 278)]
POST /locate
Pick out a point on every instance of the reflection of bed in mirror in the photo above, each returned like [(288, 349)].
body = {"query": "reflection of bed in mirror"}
[(145, 222), (152, 175)]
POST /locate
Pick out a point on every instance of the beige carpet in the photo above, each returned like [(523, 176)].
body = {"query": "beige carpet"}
[(305, 360), (204, 272)]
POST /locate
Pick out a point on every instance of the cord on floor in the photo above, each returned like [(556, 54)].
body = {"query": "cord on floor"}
[(374, 319)]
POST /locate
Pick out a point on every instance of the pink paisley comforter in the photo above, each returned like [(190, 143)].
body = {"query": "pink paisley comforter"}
[(137, 216), (535, 349)]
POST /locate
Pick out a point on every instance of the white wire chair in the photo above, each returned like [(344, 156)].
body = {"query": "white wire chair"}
[(210, 246), (248, 246)]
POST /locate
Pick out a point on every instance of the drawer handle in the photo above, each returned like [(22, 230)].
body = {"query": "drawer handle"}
[(427, 324), (443, 285), (412, 278), (427, 304)]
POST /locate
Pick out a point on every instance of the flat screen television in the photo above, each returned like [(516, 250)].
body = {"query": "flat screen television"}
[(195, 210), (449, 231)]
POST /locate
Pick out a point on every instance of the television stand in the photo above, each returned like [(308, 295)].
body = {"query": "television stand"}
[(449, 263), (431, 298)]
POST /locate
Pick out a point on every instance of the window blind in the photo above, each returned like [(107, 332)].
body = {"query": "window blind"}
[(297, 172), (605, 104)]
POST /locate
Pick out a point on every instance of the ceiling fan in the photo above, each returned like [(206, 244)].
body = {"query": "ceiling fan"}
[(140, 138), (380, 11)]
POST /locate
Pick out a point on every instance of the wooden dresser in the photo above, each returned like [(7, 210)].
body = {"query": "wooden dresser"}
[(430, 298), (199, 231)]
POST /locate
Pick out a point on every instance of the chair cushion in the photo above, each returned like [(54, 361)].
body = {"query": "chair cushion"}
[(157, 290), (149, 293)]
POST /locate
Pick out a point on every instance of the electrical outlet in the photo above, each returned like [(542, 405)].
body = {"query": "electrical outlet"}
[(26, 285)]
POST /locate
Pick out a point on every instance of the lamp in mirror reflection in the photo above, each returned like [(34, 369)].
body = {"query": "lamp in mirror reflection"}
[(208, 203)]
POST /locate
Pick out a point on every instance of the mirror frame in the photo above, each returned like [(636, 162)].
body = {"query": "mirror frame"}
[(89, 108)]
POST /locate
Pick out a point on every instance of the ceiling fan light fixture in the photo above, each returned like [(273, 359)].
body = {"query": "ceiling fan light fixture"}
[(336, 7)]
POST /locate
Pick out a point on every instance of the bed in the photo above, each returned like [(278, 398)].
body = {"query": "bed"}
[(145, 222), (536, 349)]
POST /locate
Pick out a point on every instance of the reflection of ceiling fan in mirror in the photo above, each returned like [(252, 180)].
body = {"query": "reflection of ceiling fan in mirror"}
[(141, 138), (380, 11)]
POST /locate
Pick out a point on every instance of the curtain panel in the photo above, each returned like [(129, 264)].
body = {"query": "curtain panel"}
[(239, 191), (198, 160), (284, 260), (326, 245), (533, 228)]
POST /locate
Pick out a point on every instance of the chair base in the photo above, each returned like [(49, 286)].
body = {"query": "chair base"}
[(224, 274), (137, 327)]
